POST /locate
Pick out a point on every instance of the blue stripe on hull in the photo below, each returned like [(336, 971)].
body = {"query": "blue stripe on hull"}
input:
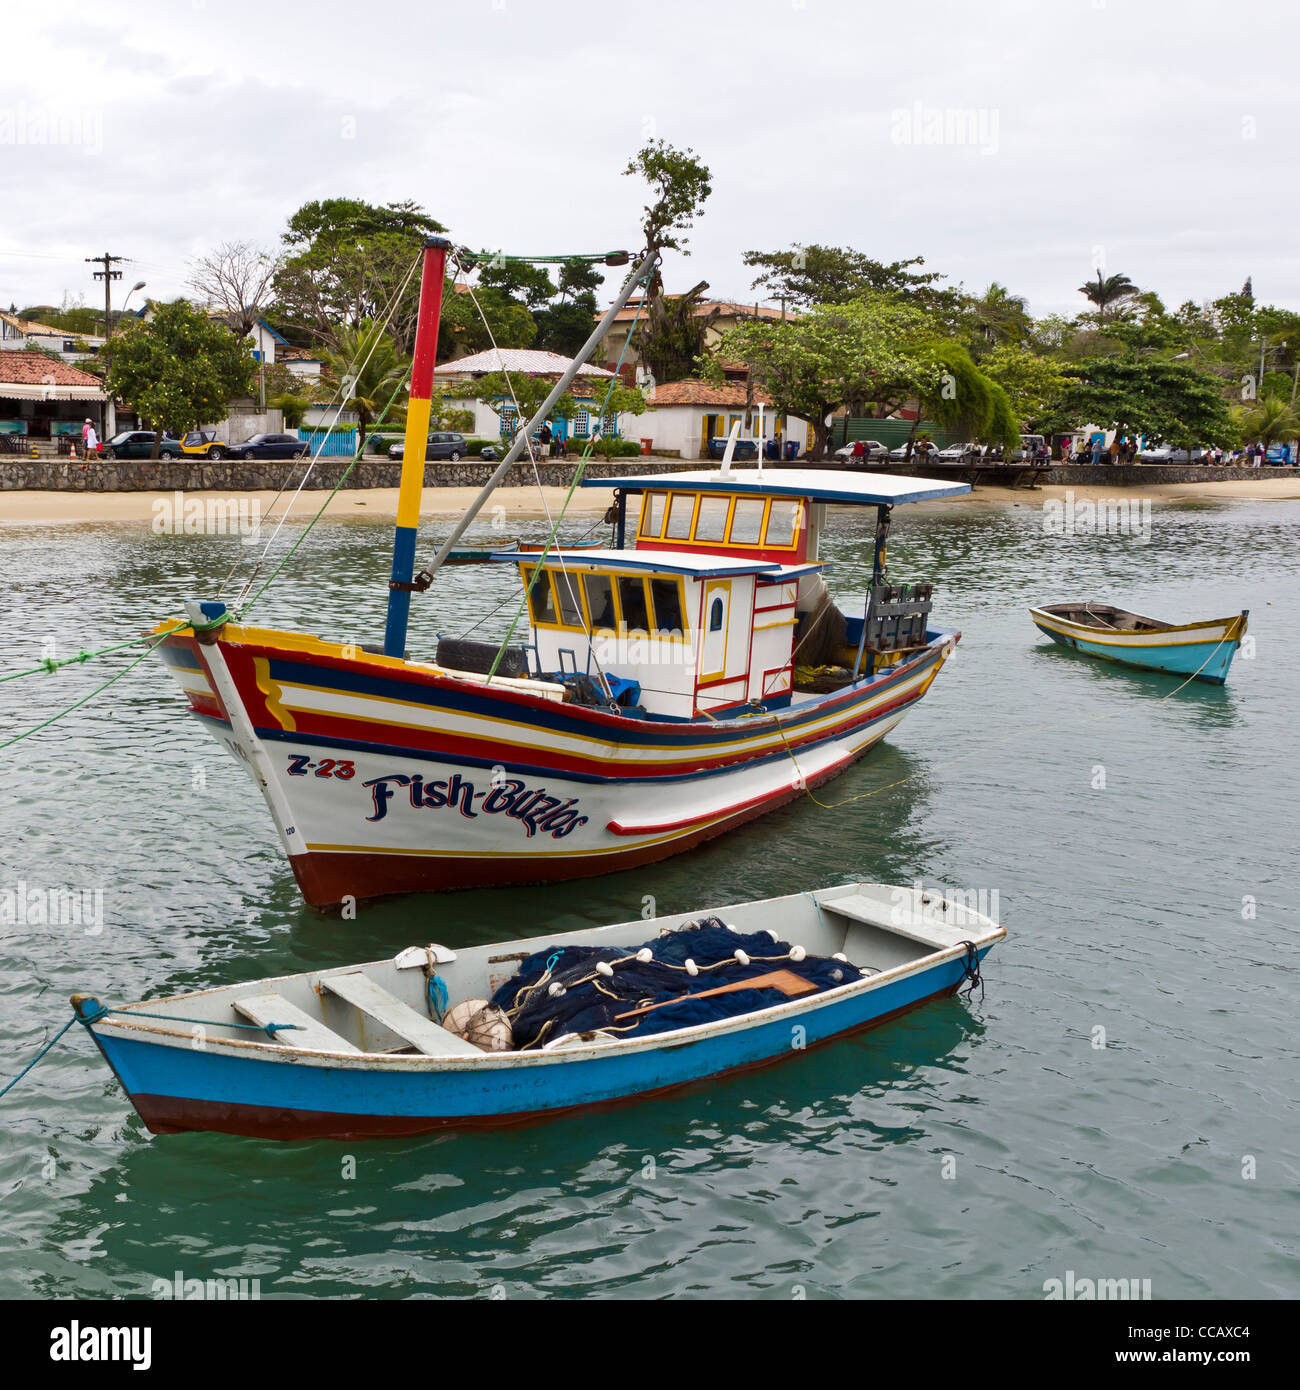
[(1184, 660), (193, 1074)]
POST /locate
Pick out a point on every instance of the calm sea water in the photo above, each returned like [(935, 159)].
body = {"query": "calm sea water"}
[(1122, 1103)]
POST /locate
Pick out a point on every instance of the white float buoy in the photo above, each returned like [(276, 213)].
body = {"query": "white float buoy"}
[(741, 958), (556, 989), (645, 954), (839, 955), (604, 968), (692, 968), (797, 953)]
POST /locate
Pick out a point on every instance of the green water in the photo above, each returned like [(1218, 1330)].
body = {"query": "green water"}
[(967, 1150)]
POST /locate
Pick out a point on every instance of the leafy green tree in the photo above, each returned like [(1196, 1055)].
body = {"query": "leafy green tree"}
[(369, 368), (872, 350), (292, 408), (472, 323), (501, 391), (1032, 382), (680, 185), (1151, 396), (810, 275), (180, 369), (673, 332), (344, 262)]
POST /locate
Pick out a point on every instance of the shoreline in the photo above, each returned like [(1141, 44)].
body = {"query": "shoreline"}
[(33, 508)]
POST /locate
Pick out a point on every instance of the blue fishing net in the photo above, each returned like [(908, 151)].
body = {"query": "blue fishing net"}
[(559, 990)]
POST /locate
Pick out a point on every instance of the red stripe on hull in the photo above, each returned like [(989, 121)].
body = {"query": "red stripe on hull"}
[(176, 1114), (326, 879)]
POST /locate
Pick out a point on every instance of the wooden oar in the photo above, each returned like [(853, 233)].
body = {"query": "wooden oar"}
[(785, 980)]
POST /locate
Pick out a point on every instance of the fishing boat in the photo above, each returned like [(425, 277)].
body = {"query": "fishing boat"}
[(681, 679), (1201, 650), (357, 1051)]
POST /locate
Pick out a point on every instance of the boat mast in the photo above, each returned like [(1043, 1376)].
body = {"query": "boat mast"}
[(432, 274), (644, 266)]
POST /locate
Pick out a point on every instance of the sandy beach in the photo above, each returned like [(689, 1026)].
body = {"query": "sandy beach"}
[(524, 503)]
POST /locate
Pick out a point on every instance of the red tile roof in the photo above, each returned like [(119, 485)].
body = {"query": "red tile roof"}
[(700, 393), (35, 369)]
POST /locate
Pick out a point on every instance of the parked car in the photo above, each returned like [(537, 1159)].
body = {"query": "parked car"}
[(138, 444), (957, 453), (270, 446), (921, 449), (1166, 453), (745, 448), (206, 443), (871, 449), (441, 445)]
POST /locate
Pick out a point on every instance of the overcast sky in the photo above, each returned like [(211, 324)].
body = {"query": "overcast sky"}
[(1018, 142)]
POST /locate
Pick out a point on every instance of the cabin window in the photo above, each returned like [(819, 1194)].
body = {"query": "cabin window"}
[(652, 514), (668, 605), (711, 524), (680, 516), (715, 615), (631, 599), (783, 524), (747, 521), (566, 589), (541, 601), (600, 599)]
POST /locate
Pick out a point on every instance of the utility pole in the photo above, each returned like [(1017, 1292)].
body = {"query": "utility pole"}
[(107, 275)]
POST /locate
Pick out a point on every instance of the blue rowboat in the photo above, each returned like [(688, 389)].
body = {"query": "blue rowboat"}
[(355, 1052), (1201, 650)]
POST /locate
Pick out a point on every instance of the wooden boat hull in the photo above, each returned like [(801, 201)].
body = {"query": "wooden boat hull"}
[(273, 1091), (385, 776), (1202, 651)]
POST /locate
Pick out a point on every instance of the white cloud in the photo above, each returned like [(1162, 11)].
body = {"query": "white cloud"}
[(1158, 130)]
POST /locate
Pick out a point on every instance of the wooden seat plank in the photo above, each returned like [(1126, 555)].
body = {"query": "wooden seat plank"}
[(309, 1032), (860, 908), (387, 1009)]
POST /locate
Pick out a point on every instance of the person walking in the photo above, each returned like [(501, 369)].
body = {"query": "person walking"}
[(90, 439), (1096, 452)]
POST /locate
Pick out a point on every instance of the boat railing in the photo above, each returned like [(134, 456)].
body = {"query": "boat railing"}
[(898, 618)]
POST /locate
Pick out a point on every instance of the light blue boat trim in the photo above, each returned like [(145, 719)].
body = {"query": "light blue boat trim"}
[(1184, 660)]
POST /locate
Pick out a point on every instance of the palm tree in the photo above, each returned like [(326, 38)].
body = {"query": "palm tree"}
[(1106, 290), (1270, 419), (369, 367), (1001, 317)]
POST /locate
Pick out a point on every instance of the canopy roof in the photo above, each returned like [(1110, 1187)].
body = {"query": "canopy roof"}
[(696, 564), (819, 484)]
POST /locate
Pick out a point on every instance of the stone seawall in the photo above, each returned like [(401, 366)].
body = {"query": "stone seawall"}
[(230, 476), (198, 475), (1147, 474)]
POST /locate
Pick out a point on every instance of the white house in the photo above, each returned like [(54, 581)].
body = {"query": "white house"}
[(17, 334), (684, 415), (496, 418)]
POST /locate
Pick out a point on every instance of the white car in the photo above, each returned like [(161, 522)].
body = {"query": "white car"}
[(955, 453), (872, 449), (920, 450)]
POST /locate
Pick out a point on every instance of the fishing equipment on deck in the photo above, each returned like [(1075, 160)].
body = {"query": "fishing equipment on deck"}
[(699, 973)]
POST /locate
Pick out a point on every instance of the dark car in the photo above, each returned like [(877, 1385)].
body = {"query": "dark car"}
[(441, 445), (270, 446), (745, 448), (138, 444)]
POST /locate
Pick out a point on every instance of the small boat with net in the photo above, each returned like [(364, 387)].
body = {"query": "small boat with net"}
[(1201, 651), (528, 1030)]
